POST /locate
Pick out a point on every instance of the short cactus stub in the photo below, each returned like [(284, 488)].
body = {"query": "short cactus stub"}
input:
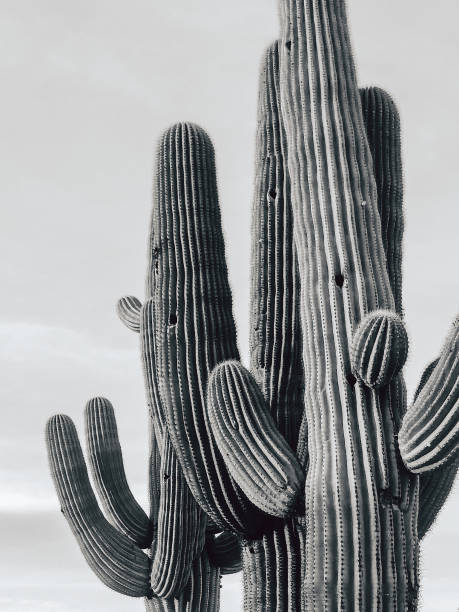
[(379, 348)]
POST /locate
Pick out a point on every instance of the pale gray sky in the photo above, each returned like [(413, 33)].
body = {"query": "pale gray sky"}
[(87, 87)]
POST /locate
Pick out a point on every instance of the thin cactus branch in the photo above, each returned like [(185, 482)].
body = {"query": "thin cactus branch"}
[(107, 466), (275, 335), (255, 453)]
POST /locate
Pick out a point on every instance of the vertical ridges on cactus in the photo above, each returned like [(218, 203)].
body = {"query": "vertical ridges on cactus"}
[(107, 466), (344, 276), (429, 436), (273, 571), (128, 309), (382, 124), (180, 535), (275, 335), (202, 592), (258, 458), (113, 557)]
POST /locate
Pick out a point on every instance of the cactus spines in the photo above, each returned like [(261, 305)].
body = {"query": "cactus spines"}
[(107, 466), (114, 557), (382, 125), (275, 335), (429, 436), (257, 456), (379, 348), (187, 324), (325, 395), (128, 309), (201, 593)]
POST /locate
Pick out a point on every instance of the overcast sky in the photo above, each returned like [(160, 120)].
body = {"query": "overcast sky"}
[(87, 87)]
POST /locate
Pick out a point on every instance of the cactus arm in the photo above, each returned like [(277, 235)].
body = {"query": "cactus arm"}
[(275, 335), (202, 592), (429, 436), (382, 126), (267, 584), (358, 498), (187, 324), (259, 459), (224, 551), (180, 524), (436, 485), (128, 309), (107, 467), (113, 557)]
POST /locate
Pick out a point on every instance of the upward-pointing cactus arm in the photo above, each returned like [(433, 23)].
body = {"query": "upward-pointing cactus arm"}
[(113, 556), (107, 466), (275, 334), (188, 327)]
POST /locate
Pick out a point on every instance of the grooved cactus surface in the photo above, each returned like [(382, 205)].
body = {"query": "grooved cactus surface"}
[(309, 471), (258, 458), (379, 348), (112, 555), (108, 468)]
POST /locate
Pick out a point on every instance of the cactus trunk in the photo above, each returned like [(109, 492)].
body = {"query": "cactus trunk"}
[(361, 504)]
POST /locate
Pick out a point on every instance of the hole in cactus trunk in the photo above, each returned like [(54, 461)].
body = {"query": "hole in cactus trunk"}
[(339, 279), (351, 379), (251, 550), (173, 319), (288, 44), (272, 194), (166, 476)]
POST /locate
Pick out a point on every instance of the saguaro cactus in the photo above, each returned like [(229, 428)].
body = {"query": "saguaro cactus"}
[(311, 461)]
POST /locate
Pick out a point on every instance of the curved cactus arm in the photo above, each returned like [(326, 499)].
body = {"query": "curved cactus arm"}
[(275, 334), (113, 557), (435, 486), (425, 377), (224, 551), (259, 459), (201, 593), (107, 466), (187, 324), (128, 309), (429, 436)]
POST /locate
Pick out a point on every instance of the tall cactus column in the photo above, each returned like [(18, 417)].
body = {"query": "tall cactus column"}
[(361, 507)]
